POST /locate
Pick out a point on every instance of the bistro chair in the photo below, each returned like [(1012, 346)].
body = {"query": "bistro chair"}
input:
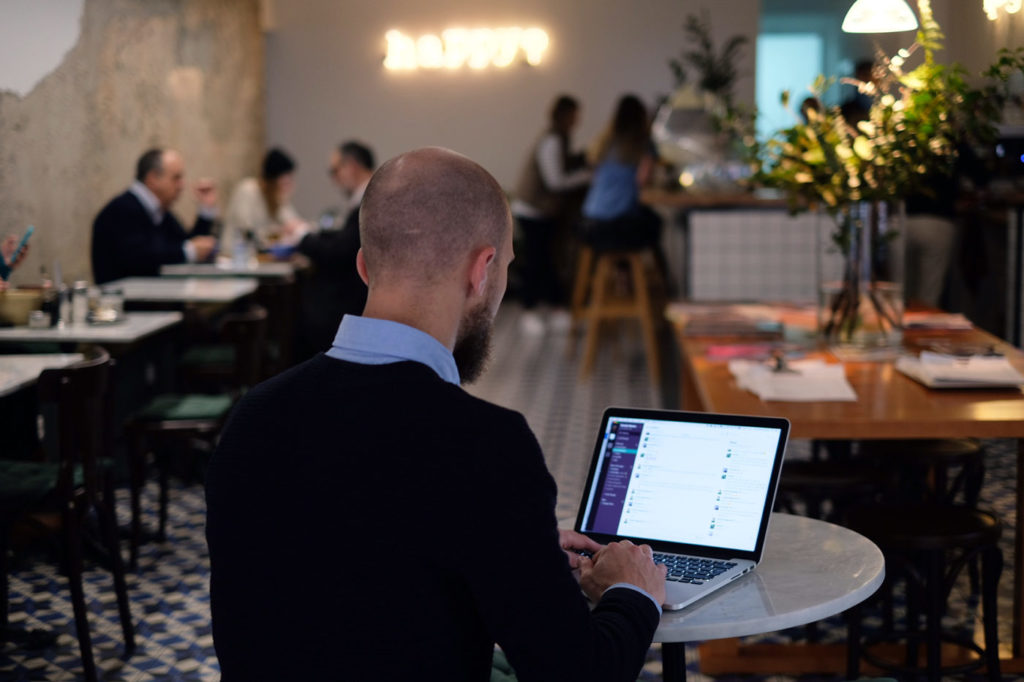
[(75, 484), (212, 365), (191, 419), (927, 545)]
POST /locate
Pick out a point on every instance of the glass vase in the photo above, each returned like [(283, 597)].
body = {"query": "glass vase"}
[(860, 275)]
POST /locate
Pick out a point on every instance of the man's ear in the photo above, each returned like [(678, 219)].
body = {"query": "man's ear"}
[(361, 267), (479, 269)]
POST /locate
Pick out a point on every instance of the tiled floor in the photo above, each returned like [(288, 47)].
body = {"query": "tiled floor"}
[(535, 375)]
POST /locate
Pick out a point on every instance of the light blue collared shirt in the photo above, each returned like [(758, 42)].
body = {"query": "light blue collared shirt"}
[(148, 201), (369, 341)]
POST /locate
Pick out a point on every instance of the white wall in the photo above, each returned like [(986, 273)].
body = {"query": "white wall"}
[(326, 82), (34, 37)]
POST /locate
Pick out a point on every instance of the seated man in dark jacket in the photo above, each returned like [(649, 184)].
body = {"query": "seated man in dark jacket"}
[(136, 232), (369, 519), (334, 288)]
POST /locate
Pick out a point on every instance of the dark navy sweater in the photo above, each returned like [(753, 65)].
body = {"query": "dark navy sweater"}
[(375, 522)]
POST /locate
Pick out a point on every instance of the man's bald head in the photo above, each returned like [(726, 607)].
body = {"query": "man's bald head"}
[(425, 211)]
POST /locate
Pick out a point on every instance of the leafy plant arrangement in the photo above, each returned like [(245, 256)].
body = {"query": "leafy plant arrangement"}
[(857, 170), (716, 71), (916, 122)]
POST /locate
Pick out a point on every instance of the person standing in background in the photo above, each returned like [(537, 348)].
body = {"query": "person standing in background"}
[(262, 205), (136, 233), (551, 172)]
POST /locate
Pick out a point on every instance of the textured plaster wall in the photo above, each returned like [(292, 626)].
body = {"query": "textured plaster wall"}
[(179, 73)]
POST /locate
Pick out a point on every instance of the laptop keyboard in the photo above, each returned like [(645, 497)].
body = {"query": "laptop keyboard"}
[(694, 570)]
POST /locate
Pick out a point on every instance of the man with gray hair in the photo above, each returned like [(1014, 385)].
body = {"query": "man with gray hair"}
[(136, 232), (369, 519)]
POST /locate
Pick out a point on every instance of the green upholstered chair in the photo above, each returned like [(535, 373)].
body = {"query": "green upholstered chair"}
[(73, 483), (212, 365), (192, 419)]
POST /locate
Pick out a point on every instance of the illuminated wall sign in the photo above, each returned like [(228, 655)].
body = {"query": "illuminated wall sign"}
[(456, 48)]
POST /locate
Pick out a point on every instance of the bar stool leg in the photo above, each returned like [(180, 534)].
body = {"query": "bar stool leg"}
[(646, 316), (598, 293), (581, 287)]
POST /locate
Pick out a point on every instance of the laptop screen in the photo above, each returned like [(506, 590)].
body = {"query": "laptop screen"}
[(708, 482)]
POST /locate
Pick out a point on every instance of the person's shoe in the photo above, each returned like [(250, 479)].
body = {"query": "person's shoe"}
[(559, 320), (531, 324)]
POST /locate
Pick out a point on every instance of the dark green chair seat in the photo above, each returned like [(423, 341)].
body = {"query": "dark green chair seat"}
[(208, 355), (189, 406), (194, 419), (31, 482), (26, 483)]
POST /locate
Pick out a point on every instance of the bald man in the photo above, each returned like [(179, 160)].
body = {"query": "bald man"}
[(369, 519), (136, 233)]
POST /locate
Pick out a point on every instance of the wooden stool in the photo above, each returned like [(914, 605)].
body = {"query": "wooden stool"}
[(610, 302)]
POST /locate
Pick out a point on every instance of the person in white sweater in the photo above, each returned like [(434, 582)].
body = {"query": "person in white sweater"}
[(262, 205)]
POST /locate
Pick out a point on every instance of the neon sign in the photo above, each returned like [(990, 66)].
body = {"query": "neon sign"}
[(457, 48)]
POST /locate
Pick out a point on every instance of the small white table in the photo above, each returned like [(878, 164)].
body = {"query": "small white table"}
[(260, 271), (19, 371), (184, 289), (136, 326), (810, 570)]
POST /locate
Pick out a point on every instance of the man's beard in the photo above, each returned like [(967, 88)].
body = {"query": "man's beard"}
[(473, 347)]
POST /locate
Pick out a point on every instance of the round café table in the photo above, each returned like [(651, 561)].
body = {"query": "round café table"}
[(810, 570)]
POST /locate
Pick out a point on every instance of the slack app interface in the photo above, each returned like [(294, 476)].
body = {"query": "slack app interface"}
[(699, 484)]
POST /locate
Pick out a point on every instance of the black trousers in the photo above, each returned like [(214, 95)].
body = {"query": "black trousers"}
[(540, 278)]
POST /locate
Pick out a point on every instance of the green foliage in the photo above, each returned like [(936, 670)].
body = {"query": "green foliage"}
[(716, 71), (916, 122)]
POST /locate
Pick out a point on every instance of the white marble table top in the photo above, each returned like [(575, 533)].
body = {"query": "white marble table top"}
[(19, 371), (268, 270), (810, 570), (136, 325), (184, 289)]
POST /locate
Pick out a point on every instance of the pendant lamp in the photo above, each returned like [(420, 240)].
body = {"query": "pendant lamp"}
[(879, 16)]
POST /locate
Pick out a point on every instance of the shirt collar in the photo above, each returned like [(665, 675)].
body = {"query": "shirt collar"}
[(148, 201), (356, 197), (371, 341)]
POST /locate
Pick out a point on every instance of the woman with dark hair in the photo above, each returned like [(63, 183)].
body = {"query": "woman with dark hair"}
[(262, 206), (613, 215)]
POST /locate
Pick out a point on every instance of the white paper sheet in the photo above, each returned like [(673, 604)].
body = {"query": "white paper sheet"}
[(809, 381)]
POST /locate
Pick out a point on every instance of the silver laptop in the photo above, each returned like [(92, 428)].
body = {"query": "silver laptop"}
[(697, 487)]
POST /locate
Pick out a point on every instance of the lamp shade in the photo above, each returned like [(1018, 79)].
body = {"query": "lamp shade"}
[(879, 16)]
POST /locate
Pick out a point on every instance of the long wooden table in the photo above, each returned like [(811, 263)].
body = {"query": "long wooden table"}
[(889, 405)]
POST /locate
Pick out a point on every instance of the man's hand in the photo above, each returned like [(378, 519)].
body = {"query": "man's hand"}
[(573, 543), (204, 246), (293, 231), (206, 193), (622, 562), (7, 250)]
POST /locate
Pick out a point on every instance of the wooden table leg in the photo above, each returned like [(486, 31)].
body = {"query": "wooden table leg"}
[(1018, 557), (673, 661)]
